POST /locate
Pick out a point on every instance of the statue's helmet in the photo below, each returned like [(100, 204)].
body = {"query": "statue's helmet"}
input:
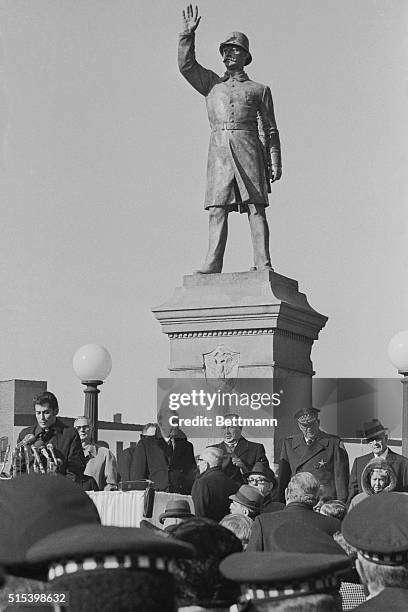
[(240, 40)]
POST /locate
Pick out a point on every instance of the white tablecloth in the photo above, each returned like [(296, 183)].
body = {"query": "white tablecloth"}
[(125, 508)]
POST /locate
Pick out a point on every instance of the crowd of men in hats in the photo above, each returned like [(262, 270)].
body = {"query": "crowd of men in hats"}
[(55, 553), (326, 544)]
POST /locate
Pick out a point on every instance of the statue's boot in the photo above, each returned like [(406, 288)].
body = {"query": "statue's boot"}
[(218, 232), (260, 238)]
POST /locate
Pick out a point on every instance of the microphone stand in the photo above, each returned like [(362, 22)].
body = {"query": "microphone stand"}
[(38, 459), (27, 458), (4, 463)]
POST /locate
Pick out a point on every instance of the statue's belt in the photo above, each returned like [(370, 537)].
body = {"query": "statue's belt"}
[(238, 125)]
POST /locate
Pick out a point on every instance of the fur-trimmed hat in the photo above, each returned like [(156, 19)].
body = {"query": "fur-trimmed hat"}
[(378, 464)]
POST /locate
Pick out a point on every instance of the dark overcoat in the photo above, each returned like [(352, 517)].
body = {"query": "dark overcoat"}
[(240, 113), (210, 493), (391, 598), (398, 463), (269, 504), (125, 461), (173, 471), (261, 538), (326, 459), (249, 453), (67, 447)]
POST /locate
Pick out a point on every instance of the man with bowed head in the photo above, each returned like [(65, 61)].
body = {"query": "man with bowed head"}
[(244, 154), (301, 495), (167, 458), (212, 488), (240, 455)]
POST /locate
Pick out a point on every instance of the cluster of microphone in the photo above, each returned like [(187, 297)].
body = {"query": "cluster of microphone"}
[(31, 454)]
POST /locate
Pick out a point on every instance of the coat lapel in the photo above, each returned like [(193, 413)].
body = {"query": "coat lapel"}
[(241, 447), (305, 452)]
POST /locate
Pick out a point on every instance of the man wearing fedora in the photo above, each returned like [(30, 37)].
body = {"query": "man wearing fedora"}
[(264, 480), (247, 500), (175, 512), (376, 436), (315, 451), (244, 154)]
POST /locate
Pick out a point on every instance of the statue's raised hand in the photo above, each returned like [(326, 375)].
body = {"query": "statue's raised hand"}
[(190, 19)]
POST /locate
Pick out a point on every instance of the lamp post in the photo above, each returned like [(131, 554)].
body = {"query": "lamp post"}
[(398, 354), (92, 363)]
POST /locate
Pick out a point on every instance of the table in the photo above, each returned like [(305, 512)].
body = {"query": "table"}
[(125, 508)]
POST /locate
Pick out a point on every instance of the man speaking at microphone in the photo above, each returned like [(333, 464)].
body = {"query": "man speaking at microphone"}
[(58, 440)]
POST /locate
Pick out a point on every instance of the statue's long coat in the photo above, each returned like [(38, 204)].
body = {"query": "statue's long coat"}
[(240, 113)]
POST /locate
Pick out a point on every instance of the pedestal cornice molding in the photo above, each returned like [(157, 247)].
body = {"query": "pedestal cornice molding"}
[(240, 332)]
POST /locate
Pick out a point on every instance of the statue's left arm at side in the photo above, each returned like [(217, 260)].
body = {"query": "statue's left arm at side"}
[(271, 134)]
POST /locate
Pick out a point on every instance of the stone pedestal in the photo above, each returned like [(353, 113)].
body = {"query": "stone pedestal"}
[(246, 325)]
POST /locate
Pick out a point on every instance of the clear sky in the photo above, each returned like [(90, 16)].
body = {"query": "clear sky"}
[(102, 164)]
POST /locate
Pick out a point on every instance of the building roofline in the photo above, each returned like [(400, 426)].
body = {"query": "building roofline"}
[(27, 419)]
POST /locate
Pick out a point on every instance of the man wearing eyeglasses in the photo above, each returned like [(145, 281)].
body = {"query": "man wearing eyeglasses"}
[(212, 488), (263, 478), (315, 451), (100, 461)]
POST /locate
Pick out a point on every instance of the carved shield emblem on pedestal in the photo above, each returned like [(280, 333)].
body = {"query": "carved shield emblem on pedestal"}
[(221, 364)]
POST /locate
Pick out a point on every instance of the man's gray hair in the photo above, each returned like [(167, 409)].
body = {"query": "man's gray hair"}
[(322, 602), (303, 487), (213, 456), (82, 418), (377, 577)]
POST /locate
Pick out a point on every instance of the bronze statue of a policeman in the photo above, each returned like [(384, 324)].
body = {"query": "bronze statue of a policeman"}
[(244, 153)]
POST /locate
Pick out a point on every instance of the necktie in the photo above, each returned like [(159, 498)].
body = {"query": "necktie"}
[(46, 434)]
